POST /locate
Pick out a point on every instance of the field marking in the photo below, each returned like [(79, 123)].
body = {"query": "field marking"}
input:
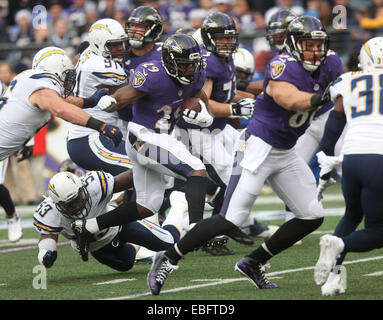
[(7, 243), (113, 281), (374, 274), (225, 281)]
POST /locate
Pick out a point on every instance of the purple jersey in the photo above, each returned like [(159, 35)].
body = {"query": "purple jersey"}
[(160, 107), (280, 127), (131, 61), (222, 72)]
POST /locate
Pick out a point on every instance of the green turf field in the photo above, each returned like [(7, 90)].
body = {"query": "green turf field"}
[(199, 277)]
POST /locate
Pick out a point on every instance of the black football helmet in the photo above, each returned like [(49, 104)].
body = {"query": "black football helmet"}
[(216, 27), (148, 17), (302, 29), (277, 26), (187, 30), (181, 58)]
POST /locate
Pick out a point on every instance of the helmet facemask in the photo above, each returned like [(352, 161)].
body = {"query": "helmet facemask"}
[(146, 33), (115, 55), (77, 207), (69, 82)]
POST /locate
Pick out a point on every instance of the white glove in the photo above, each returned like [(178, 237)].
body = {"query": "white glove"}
[(202, 118), (328, 163), (243, 108), (106, 103), (322, 185)]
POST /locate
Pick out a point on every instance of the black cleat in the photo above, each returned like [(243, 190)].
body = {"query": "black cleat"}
[(238, 235)]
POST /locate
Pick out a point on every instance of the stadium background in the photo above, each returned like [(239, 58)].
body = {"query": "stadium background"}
[(29, 25)]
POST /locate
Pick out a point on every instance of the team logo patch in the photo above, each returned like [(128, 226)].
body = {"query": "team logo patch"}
[(139, 79), (277, 68)]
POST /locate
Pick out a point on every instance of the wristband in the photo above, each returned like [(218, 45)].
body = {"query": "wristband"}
[(88, 103), (95, 124), (44, 246)]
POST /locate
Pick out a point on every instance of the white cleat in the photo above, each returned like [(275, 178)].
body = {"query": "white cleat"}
[(336, 284), (15, 231), (330, 250)]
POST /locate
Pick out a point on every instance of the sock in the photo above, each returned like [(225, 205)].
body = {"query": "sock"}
[(6, 201), (123, 214), (195, 189), (289, 233), (201, 232)]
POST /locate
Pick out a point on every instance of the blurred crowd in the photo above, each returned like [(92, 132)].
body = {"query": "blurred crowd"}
[(28, 25)]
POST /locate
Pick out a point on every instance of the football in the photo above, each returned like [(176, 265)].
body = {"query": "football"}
[(191, 103)]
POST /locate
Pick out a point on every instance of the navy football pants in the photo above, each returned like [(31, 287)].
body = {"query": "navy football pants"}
[(362, 185)]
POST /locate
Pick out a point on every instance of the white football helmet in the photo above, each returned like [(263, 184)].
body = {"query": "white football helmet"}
[(103, 33), (69, 195), (244, 61), (371, 55), (54, 60)]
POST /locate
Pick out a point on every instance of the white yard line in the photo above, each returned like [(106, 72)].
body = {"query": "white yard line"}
[(224, 281)]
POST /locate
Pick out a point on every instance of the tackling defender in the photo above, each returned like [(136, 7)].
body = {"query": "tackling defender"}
[(71, 197)]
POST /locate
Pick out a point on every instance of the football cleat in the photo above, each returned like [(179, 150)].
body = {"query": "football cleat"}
[(254, 272), (161, 268), (15, 232), (238, 235), (336, 283), (329, 251), (82, 237)]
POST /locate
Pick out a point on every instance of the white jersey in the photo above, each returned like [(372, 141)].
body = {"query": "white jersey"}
[(19, 119), (92, 71), (363, 106), (3, 87), (48, 220)]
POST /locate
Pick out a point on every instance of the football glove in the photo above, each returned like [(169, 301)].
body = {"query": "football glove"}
[(93, 99), (243, 108), (326, 164), (113, 133), (24, 153), (318, 100), (242, 84), (106, 103), (49, 258), (202, 118), (83, 237)]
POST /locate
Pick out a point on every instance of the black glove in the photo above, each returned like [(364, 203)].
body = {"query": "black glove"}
[(24, 153), (93, 99), (318, 100), (49, 258), (83, 45), (112, 133), (242, 84)]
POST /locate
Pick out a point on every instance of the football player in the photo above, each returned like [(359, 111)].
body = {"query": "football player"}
[(266, 152), (99, 67), (276, 36), (33, 95), (157, 90), (71, 197), (216, 144), (26, 107), (357, 102), (144, 28), (15, 232)]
